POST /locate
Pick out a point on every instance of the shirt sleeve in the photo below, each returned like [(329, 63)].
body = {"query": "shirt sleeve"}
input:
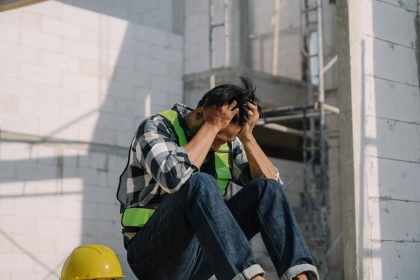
[(241, 173), (240, 170), (161, 156)]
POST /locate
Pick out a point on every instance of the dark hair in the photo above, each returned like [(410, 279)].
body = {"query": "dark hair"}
[(226, 93)]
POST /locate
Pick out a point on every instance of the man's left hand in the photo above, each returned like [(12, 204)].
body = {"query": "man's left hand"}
[(253, 116)]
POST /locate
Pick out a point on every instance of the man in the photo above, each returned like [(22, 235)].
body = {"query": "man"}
[(179, 222)]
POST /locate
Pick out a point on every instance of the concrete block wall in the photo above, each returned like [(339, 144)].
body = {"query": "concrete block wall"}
[(261, 28), (74, 85), (385, 109), (196, 37), (157, 14)]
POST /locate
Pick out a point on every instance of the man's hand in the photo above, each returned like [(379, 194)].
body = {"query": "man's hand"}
[(253, 117), (222, 116)]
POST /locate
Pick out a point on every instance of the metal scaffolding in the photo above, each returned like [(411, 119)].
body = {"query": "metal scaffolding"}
[(312, 115)]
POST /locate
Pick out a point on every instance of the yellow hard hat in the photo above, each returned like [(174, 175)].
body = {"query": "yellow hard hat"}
[(92, 261)]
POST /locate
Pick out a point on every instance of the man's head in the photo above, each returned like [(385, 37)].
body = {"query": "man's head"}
[(226, 94)]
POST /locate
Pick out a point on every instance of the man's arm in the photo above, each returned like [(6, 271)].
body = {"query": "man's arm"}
[(215, 119), (259, 164)]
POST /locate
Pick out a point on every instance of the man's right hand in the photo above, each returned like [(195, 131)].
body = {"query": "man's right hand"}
[(221, 116)]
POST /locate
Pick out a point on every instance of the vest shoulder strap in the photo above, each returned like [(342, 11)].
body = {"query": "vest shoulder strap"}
[(172, 117)]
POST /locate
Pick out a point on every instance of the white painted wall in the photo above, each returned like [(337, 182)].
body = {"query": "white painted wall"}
[(386, 137), (85, 79)]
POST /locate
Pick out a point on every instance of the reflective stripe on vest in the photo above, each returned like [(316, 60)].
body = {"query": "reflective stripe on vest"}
[(138, 217), (221, 157)]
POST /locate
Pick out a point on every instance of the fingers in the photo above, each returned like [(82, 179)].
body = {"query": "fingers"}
[(252, 107), (232, 105)]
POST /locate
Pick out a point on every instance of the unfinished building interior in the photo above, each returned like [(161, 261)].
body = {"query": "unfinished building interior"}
[(77, 77)]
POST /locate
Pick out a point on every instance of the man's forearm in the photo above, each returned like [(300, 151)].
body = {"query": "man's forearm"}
[(200, 144), (259, 164)]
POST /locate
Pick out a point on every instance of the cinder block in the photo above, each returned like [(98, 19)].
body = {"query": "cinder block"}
[(58, 95), (392, 139), (393, 24), (386, 223), (125, 75), (166, 84), (57, 226), (60, 62), (40, 74), (81, 17), (196, 65), (381, 96), (394, 179), (176, 42), (12, 189), (19, 123), (175, 71), (30, 20), (17, 87), (79, 82), (10, 16), (6, 246), (52, 9), (9, 68), (98, 193), (113, 121), (154, 18), (9, 32), (108, 211), (66, 244), (9, 104), (100, 229), (409, 5), (195, 7), (395, 259), (128, 60), (151, 35), (80, 49), (197, 35), (69, 209), (392, 62), (35, 171), (142, 6), (34, 108), (167, 55), (135, 47), (151, 65), (40, 40), (15, 151), (9, 223), (15, 262), (18, 52), (199, 20), (60, 28)]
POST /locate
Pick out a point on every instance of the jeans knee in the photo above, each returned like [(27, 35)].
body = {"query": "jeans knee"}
[(202, 183), (267, 186)]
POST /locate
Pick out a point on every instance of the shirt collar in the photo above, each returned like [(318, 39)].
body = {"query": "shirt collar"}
[(182, 110)]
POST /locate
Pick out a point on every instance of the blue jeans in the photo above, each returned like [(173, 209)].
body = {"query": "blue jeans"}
[(194, 234)]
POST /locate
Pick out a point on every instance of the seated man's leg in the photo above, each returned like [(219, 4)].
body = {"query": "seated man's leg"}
[(193, 219), (262, 206)]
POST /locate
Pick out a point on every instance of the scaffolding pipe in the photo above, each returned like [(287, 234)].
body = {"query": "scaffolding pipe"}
[(276, 38), (226, 35), (322, 140)]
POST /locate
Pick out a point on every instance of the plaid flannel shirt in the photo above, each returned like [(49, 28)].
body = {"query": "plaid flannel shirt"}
[(157, 165)]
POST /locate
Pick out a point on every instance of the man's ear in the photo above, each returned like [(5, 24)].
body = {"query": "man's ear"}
[(199, 113)]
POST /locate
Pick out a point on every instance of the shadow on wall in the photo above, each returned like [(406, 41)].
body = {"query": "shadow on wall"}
[(390, 138), (87, 169)]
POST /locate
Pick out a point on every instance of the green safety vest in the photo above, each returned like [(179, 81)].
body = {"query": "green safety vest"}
[(138, 217)]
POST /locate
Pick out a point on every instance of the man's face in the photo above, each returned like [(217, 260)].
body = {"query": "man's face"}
[(225, 135)]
